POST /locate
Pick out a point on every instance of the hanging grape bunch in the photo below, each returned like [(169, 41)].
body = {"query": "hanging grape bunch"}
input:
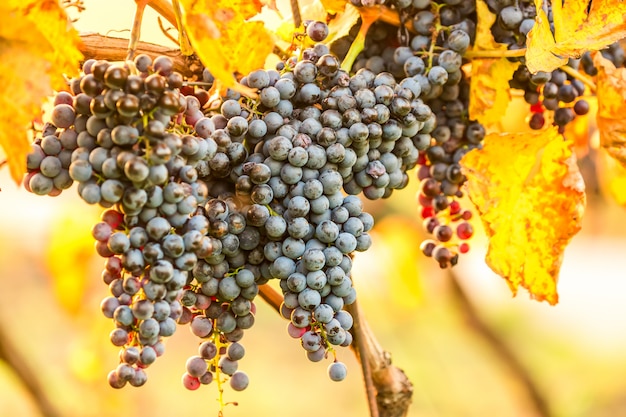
[(202, 209)]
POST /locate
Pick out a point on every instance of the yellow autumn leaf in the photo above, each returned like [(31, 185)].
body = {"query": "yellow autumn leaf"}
[(489, 89), (334, 6), (393, 237), (37, 46), (339, 23), (490, 93), (530, 197), (225, 41), (579, 26), (612, 177), (540, 45), (485, 19), (611, 94), (68, 257)]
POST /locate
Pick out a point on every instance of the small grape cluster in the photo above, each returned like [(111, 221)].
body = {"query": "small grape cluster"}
[(555, 96), (557, 92), (514, 20)]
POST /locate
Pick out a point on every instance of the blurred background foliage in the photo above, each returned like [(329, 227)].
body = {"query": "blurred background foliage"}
[(575, 353)]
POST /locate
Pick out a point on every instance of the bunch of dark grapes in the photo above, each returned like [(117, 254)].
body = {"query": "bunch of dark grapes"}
[(557, 95), (433, 59), (127, 139), (514, 20), (205, 206), (556, 92)]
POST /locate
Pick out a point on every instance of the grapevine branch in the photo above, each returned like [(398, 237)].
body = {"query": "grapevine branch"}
[(114, 49), (388, 389), (495, 53), (393, 388), (500, 348), (295, 11), (12, 356)]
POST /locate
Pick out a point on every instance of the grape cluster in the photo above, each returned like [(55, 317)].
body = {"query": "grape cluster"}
[(433, 58), (557, 92), (129, 148), (555, 96), (203, 206), (514, 20)]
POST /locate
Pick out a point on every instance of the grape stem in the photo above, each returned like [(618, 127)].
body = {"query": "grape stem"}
[(576, 74), (387, 387), (165, 31), (495, 53), (295, 11), (499, 347), (165, 9), (135, 32)]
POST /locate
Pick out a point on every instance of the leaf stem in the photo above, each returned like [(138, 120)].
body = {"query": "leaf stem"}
[(165, 9), (183, 39), (495, 53), (576, 74), (368, 16)]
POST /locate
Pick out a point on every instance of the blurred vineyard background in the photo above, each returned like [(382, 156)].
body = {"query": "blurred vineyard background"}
[(575, 352)]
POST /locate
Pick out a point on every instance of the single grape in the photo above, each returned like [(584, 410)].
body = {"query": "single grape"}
[(337, 371)]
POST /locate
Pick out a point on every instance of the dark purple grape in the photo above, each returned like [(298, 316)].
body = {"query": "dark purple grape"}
[(537, 120), (317, 31), (581, 107)]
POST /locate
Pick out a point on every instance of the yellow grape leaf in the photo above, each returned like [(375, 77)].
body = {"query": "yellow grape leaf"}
[(68, 257), (611, 94), (540, 45), (485, 19), (576, 31), (490, 93), (613, 177), (224, 40), (37, 46), (530, 197), (489, 89), (334, 6), (339, 24)]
